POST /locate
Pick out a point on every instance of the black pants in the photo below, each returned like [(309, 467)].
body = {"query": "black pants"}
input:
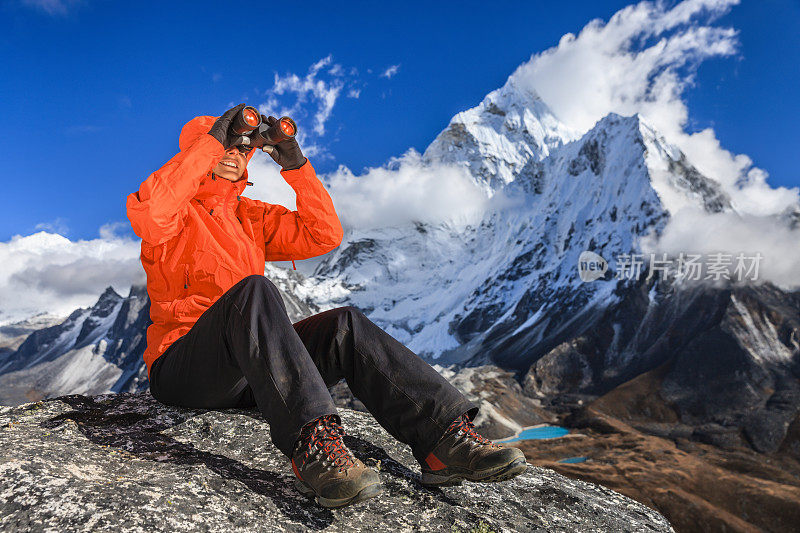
[(244, 351)]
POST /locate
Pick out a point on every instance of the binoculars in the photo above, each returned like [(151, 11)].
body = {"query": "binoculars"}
[(254, 132)]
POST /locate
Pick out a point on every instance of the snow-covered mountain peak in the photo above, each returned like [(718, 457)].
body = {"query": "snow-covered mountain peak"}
[(624, 127), (496, 138), (38, 242), (516, 270), (109, 295), (678, 183), (624, 142), (438, 287)]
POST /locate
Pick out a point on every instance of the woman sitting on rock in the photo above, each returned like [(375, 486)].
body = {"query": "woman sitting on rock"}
[(221, 336)]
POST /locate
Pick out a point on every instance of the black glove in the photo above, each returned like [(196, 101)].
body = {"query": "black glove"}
[(286, 153), (221, 128)]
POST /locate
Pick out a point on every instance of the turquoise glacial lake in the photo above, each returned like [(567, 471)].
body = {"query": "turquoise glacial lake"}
[(574, 460), (540, 432), (544, 432)]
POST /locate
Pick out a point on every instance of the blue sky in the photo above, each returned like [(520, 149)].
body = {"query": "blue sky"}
[(94, 92)]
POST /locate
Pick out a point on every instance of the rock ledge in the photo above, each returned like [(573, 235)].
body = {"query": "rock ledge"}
[(126, 462)]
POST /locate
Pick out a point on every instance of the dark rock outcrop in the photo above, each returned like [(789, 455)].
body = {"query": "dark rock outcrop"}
[(126, 462), (729, 356)]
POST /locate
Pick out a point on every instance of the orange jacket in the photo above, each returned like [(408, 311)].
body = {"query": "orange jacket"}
[(200, 236)]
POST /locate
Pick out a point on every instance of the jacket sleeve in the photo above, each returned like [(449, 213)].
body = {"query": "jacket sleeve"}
[(312, 230), (158, 209)]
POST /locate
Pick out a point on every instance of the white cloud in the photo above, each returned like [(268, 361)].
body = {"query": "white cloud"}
[(268, 184), (310, 100), (607, 68), (57, 225), (315, 93), (404, 190), (390, 71), (47, 272), (336, 70), (397, 193), (53, 7), (108, 231), (695, 231), (642, 61)]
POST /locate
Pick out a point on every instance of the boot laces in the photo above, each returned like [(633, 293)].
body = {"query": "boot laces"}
[(466, 429), (323, 439)]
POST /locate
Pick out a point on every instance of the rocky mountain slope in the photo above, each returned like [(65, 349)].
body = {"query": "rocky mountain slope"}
[(125, 461), (12, 335), (730, 359), (506, 290)]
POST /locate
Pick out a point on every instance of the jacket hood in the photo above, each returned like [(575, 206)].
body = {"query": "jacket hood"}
[(196, 127)]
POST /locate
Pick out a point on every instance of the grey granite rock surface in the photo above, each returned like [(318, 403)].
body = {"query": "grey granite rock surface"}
[(124, 462)]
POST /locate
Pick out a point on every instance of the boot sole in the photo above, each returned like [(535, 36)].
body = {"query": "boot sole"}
[(367, 492), (452, 476)]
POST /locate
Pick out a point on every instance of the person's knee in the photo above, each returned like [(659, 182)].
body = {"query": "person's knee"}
[(354, 310), (349, 313), (255, 280), (256, 283)]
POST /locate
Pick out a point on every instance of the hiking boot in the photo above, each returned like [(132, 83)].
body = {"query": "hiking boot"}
[(327, 469), (462, 453)]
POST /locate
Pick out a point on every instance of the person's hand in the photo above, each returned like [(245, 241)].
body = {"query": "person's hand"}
[(286, 153), (221, 128)]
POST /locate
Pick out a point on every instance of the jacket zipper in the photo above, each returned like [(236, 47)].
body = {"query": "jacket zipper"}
[(161, 260), (185, 276)]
